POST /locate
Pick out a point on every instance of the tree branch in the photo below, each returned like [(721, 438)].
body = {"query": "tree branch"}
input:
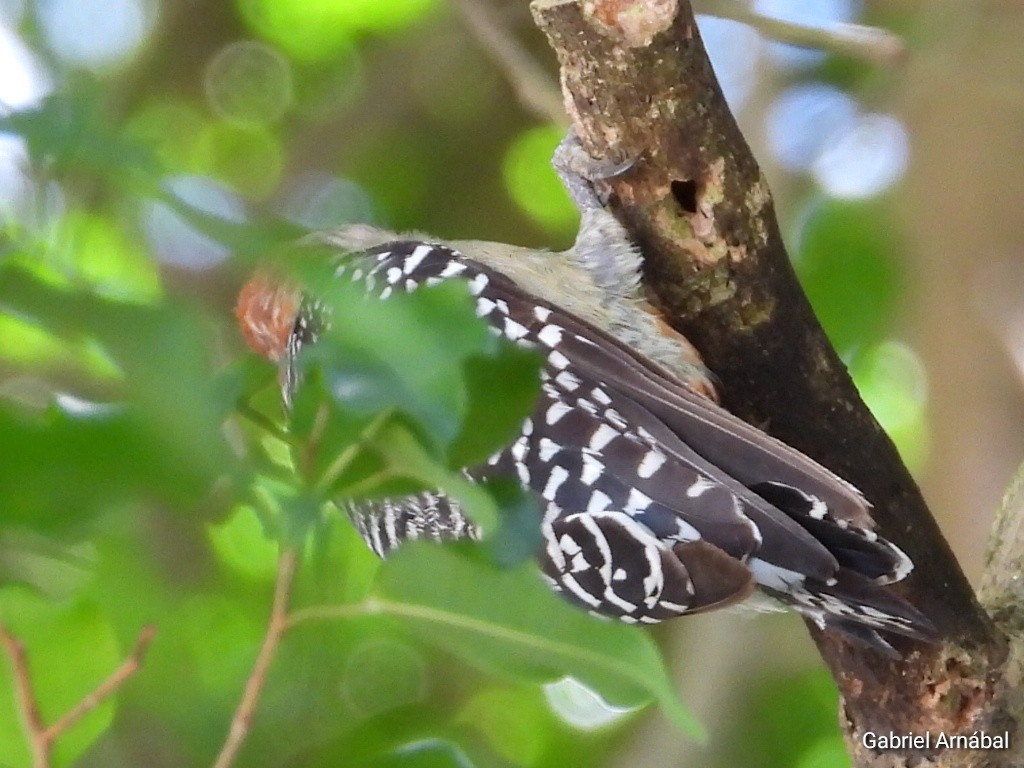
[(41, 737), (534, 87), (871, 43), (638, 83), (1002, 594), (276, 627)]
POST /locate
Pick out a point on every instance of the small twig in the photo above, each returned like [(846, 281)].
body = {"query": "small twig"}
[(328, 612), (872, 43), (245, 410), (276, 627), (535, 87), (131, 665), (347, 456), (41, 738), (366, 485), (26, 698), (312, 444)]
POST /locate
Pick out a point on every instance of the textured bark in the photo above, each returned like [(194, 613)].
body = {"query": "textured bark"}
[(638, 84)]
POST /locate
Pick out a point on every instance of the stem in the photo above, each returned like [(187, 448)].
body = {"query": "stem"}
[(251, 414), (33, 721), (276, 627), (365, 485), (328, 612), (42, 738), (131, 665), (346, 457)]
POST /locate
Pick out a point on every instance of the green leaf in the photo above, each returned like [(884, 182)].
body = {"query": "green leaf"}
[(798, 711), (509, 622), (68, 132), (164, 439), (396, 394), (242, 543), (425, 753), (502, 388), (405, 354), (331, 450), (516, 722), (518, 537), (60, 467), (407, 458), (71, 648), (424, 354)]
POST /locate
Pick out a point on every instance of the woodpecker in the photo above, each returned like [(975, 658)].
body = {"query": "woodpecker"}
[(656, 501)]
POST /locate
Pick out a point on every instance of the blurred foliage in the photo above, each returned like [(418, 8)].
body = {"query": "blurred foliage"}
[(130, 431), (534, 189), (849, 265), (387, 407), (148, 472), (801, 733)]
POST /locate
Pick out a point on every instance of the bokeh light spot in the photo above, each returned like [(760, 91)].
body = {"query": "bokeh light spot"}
[(803, 118), (173, 130), (893, 381), (319, 201), (316, 29), (249, 83), (532, 182), (24, 81), (581, 706), (808, 13), (734, 50), (178, 242), (865, 159), (94, 35)]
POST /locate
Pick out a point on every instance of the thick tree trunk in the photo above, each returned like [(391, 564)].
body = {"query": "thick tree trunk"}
[(638, 84)]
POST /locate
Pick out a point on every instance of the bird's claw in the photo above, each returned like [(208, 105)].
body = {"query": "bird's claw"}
[(581, 173)]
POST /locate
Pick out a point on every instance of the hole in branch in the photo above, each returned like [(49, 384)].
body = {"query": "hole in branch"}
[(685, 193)]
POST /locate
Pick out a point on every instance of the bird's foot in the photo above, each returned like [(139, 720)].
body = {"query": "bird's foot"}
[(582, 173)]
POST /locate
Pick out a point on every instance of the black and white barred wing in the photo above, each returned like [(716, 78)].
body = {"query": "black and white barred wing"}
[(658, 502), (384, 524)]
